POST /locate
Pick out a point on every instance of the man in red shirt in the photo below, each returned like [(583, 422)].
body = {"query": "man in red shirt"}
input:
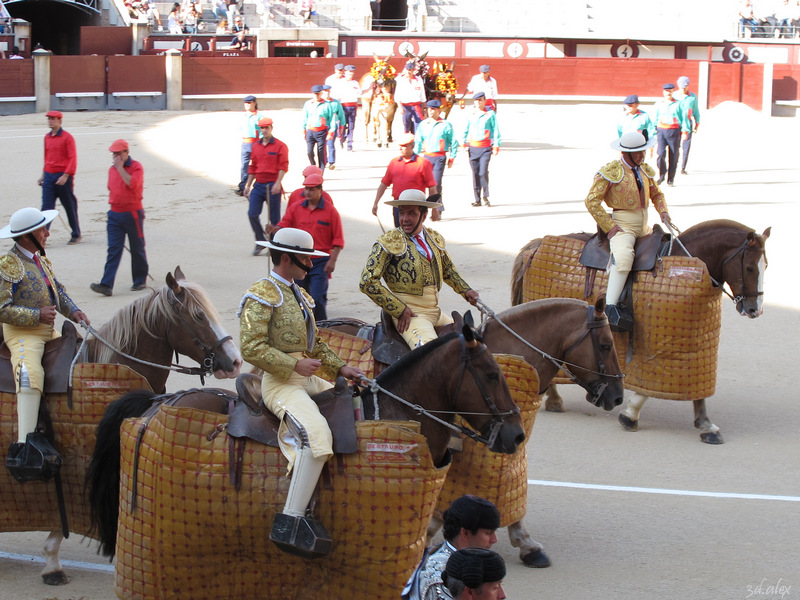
[(125, 218), (58, 176), (407, 171), (269, 161), (319, 217), (300, 193)]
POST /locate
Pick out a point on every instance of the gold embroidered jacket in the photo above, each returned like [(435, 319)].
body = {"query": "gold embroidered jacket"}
[(395, 258), (272, 325), (615, 184), (23, 290)]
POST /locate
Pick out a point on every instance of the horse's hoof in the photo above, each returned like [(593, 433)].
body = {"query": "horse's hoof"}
[(556, 407), (536, 559), (56, 578), (711, 437), (627, 423)]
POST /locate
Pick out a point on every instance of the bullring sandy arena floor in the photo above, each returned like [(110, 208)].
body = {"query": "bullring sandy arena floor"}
[(655, 514)]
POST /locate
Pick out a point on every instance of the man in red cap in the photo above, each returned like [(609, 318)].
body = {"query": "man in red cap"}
[(58, 176), (320, 218), (269, 161), (300, 193), (406, 172), (125, 218)]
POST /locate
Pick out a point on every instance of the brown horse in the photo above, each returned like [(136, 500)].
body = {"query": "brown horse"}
[(414, 389), (548, 334), (377, 101), (732, 253), (178, 318)]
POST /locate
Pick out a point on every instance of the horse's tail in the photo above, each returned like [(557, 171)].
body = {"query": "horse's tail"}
[(521, 264), (102, 477)]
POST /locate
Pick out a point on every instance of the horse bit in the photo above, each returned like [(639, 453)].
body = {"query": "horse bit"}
[(466, 365)]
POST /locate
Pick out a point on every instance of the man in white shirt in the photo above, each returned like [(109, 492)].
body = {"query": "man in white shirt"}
[(483, 82), (410, 94)]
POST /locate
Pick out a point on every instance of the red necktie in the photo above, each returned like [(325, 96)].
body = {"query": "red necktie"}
[(423, 245)]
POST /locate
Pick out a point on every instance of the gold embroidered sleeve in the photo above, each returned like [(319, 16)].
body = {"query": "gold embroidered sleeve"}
[(11, 268), (14, 314), (371, 285), (594, 202), (331, 363), (254, 324), (657, 197)]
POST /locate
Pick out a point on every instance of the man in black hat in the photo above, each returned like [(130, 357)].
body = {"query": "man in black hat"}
[(470, 522), (476, 574)]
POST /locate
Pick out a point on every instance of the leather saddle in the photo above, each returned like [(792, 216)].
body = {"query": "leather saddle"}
[(58, 355), (648, 249), (388, 345), (249, 418)]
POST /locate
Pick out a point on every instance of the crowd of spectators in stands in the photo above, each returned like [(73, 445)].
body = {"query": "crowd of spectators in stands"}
[(769, 18)]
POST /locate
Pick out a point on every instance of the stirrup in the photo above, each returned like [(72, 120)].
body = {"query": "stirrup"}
[(33, 460), (302, 536), (620, 318)]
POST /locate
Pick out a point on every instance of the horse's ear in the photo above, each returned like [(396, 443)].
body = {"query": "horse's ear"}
[(600, 307), (179, 274), (173, 284), (469, 319), (766, 233), (751, 238), (421, 58), (375, 56), (458, 320), (452, 65), (469, 336)]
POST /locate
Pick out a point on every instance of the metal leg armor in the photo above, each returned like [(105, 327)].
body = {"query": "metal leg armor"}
[(292, 530)]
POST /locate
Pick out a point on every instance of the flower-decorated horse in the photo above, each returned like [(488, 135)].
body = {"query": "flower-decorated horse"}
[(377, 101)]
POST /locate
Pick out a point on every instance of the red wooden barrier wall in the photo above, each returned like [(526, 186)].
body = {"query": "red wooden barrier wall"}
[(73, 74), (16, 78), (136, 74)]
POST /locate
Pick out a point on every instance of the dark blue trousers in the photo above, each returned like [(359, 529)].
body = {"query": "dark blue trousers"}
[(350, 125), (686, 145), (330, 145), (65, 193), (412, 115), (316, 284), (668, 140), (479, 163), (120, 225), (316, 138), (258, 196), (246, 148), (438, 163)]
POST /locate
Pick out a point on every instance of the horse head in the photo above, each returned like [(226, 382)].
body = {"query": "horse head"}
[(590, 359), (199, 333), (744, 272), (500, 426)]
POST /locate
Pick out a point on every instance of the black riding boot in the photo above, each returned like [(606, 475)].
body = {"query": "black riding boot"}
[(33, 460)]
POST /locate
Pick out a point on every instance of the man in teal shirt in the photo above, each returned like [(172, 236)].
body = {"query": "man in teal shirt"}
[(635, 119), (482, 138), (318, 116), (436, 141), (691, 108), (336, 127), (671, 127)]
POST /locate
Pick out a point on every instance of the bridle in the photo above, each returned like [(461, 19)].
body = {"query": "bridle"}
[(497, 416), (721, 285), (594, 388)]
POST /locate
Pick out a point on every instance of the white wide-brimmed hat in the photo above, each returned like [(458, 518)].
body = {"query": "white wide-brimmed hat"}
[(632, 141), (26, 220), (416, 198), (294, 241)]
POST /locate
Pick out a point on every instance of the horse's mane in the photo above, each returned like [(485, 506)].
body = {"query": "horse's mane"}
[(147, 313), (400, 367), (717, 225), (514, 311)]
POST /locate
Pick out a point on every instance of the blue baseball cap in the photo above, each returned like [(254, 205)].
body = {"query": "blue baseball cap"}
[(669, 86), (478, 96), (350, 68), (316, 89), (433, 104), (410, 65), (484, 68), (326, 87), (632, 99), (338, 66), (249, 99)]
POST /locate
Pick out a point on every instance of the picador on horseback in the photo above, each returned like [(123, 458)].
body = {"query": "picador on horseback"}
[(279, 336), (30, 298), (626, 186)]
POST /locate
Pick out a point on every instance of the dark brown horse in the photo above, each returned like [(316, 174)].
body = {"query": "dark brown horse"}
[(454, 374), (377, 101), (177, 318), (733, 254)]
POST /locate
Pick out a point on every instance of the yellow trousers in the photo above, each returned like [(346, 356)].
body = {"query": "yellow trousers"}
[(634, 225), (294, 396), (421, 329), (27, 346)]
